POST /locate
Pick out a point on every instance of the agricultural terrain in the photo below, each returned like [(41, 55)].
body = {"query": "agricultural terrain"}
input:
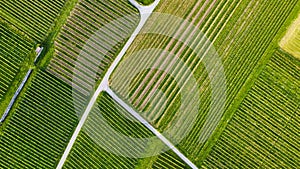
[(83, 52), (44, 117), (24, 25), (40, 126), (264, 132), (150, 84), (235, 30), (92, 148), (33, 18), (291, 41), (15, 56)]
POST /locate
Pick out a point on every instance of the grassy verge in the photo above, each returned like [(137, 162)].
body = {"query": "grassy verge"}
[(44, 58), (15, 105), (17, 81), (249, 83), (145, 2), (48, 44), (22, 68)]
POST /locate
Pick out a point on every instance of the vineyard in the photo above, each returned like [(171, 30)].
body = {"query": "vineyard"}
[(233, 27), (91, 149), (41, 125), (264, 132), (34, 18), (291, 41), (215, 87), (85, 48), (14, 51)]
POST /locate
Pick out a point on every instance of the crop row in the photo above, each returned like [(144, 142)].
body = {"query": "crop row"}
[(88, 150), (41, 125), (98, 147), (83, 50), (263, 133), (235, 28), (14, 49), (33, 17), (169, 160)]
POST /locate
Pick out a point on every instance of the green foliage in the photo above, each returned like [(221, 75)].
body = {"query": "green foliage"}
[(241, 35), (261, 133), (264, 130), (42, 121), (86, 19), (41, 125), (145, 2), (87, 153), (48, 43), (34, 18), (14, 61)]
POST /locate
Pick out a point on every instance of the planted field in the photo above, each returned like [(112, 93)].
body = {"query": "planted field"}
[(180, 88), (167, 160), (264, 132), (14, 52), (291, 41), (86, 46), (34, 18), (98, 147), (41, 125), (241, 35)]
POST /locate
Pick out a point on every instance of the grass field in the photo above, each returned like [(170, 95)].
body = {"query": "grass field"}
[(89, 152), (83, 51), (41, 125), (291, 41), (33, 18), (14, 59), (241, 35), (145, 2), (263, 133)]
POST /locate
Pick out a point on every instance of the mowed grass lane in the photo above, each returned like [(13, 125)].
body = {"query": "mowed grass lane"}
[(240, 33), (264, 132)]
